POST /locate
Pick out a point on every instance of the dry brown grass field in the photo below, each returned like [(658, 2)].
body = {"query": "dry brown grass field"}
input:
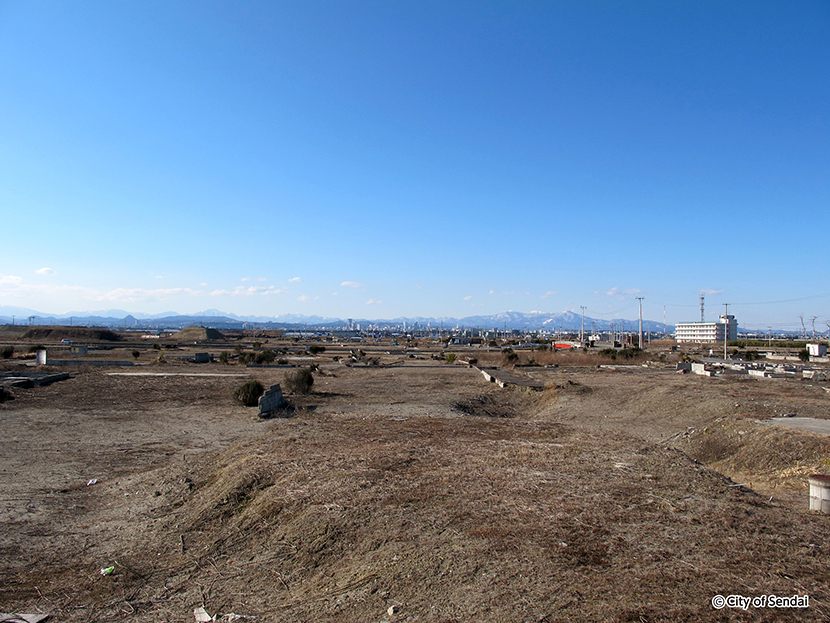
[(410, 490)]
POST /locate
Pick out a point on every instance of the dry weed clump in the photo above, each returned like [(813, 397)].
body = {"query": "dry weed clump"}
[(248, 393), (299, 381)]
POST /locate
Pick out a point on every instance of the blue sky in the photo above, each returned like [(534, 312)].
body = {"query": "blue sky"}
[(379, 159)]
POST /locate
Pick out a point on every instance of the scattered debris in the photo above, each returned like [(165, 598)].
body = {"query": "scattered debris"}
[(108, 570), (22, 618), (202, 616), (93, 481)]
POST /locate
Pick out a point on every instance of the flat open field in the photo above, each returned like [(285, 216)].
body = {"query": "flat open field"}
[(411, 491)]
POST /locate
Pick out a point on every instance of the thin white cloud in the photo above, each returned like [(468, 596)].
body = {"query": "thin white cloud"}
[(712, 292), (548, 293), (304, 298), (351, 284), (45, 271), (261, 279), (294, 280), (373, 302), (467, 298), (492, 291), (249, 291), (159, 276), (141, 294), (617, 292), (245, 279), (15, 287)]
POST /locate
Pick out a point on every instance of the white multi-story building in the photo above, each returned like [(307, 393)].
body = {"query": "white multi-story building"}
[(705, 332)]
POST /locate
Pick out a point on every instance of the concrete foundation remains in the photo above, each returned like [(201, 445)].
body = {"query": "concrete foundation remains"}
[(271, 401), (701, 369), (819, 493)]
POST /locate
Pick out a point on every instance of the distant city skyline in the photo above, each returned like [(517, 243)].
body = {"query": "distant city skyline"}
[(421, 159)]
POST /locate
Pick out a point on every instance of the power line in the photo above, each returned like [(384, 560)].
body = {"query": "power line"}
[(805, 298)]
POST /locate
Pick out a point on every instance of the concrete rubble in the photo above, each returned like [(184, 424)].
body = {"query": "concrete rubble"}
[(272, 400)]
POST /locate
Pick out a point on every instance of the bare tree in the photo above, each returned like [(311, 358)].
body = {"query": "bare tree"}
[(803, 328)]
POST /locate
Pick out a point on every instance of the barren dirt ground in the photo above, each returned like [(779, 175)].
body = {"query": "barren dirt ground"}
[(419, 488)]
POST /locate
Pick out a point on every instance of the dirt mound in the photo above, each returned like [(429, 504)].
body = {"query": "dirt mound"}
[(768, 456), (458, 519), (197, 334), (81, 334), (384, 496)]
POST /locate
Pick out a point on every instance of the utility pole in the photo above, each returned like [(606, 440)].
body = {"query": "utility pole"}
[(582, 330), (664, 321), (640, 342), (725, 330)]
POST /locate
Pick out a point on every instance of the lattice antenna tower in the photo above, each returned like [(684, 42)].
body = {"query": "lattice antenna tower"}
[(701, 306)]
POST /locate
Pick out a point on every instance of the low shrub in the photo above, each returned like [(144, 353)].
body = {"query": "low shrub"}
[(7, 352), (266, 356), (136, 354), (629, 353), (608, 352), (299, 381), (316, 349), (451, 357), (248, 393)]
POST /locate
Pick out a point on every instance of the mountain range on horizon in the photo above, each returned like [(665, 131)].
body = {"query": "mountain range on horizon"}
[(534, 320)]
